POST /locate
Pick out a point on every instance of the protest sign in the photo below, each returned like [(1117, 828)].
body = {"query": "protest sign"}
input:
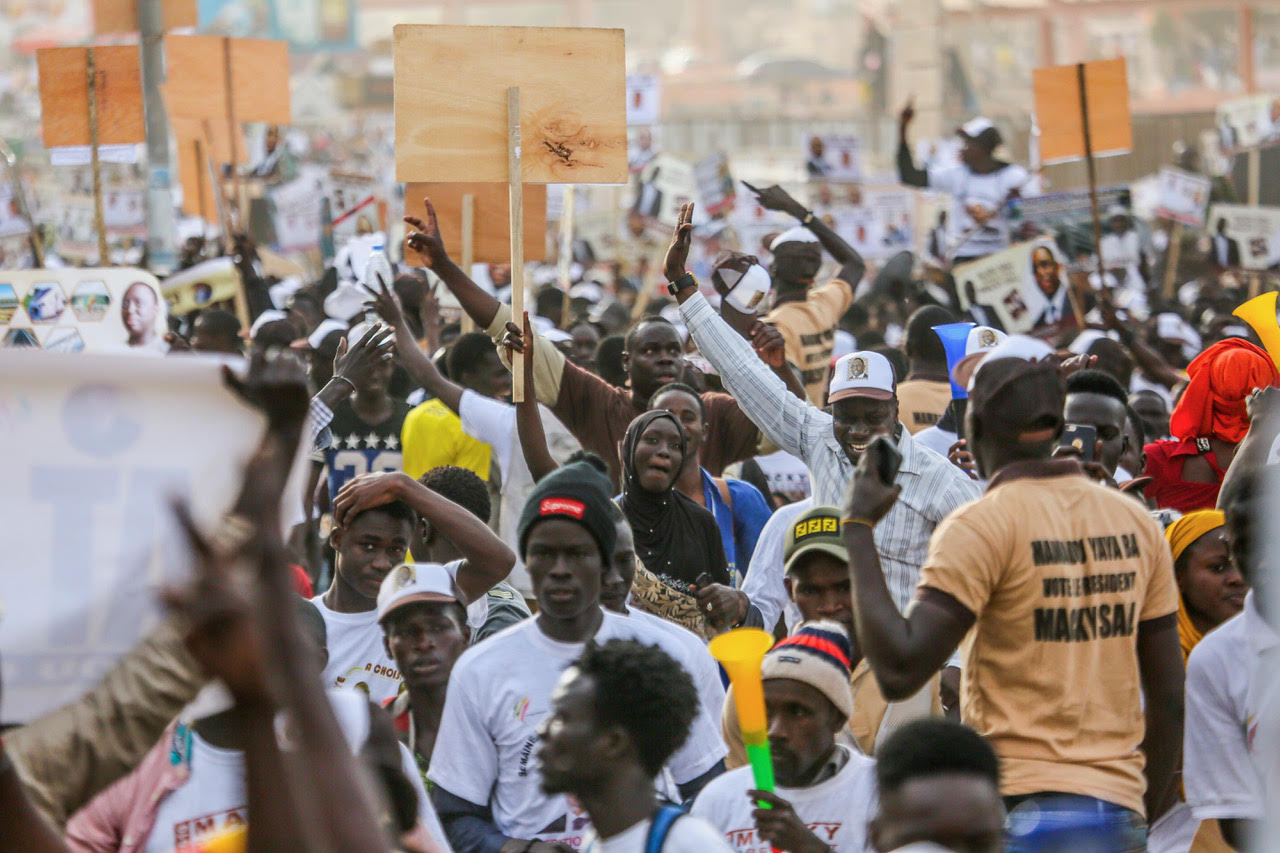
[(834, 157), (297, 213), (491, 236), (1254, 232), (877, 221), (121, 16), (72, 309), (1059, 110), (353, 205), (1066, 216), (644, 98), (716, 189), (1183, 196), (210, 284), (754, 225), (1248, 121), (451, 87), (666, 184), (106, 443), (64, 97), (1020, 289)]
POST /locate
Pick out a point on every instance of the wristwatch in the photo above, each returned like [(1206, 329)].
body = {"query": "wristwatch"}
[(807, 219), (686, 280)]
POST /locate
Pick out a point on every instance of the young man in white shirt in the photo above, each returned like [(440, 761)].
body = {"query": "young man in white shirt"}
[(374, 519), (617, 715), (826, 791), (1228, 674), (486, 776)]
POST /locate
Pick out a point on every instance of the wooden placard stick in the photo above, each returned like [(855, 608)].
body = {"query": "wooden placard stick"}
[(1093, 191), (1171, 259), (468, 249), (566, 254), (515, 201), (216, 186), (99, 221), (232, 133), (202, 195)]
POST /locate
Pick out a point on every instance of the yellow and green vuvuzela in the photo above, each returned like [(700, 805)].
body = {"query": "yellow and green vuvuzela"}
[(741, 653)]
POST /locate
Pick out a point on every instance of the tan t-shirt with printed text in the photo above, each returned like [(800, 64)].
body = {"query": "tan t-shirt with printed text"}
[(1059, 571), (922, 403), (808, 330)]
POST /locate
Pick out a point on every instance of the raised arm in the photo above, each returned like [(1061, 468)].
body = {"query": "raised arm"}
[(418, 365), (488, 560), (763, 396), (908, 173), (1254, 451), (533, 438), (852, 266)]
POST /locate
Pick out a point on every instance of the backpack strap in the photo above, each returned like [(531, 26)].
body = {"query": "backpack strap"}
[(722, 485), (662, 822)]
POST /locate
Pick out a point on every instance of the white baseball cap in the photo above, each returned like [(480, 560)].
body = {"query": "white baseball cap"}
[(750, 290), (799, 234), (976, 126), (411, 583), (862, 374), (981, 341), (271, 315), (316, 338), (1024, 347)]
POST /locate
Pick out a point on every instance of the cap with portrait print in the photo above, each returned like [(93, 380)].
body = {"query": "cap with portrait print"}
[(410, 583), (816, 531), (862, 374), (980, 342)]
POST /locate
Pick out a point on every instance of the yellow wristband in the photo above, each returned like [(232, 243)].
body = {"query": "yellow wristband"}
[(868, 522)]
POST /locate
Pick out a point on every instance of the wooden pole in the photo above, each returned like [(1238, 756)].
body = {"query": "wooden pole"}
[(1093, 191), (233, 133), (202, 197), (565, 257), (216, 187), (468, 249), (515, 201), (99, 221), (1171, 259)]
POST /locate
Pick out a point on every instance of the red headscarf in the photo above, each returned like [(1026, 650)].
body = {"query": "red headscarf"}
[(1221, 378)]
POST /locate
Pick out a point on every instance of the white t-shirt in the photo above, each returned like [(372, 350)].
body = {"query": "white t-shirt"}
[(1218, 766), (499, 693), (836, 810), (991, 191), (763, 584), (212, 799), (687, 835), (494, 423), (706, 673), (358, 659)]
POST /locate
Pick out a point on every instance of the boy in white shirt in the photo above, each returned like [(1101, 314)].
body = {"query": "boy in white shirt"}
[(826, 792), (617, 715)]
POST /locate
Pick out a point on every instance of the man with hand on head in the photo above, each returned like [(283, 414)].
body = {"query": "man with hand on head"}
[(863, 405), (807, 315), (488, 788), (596, 412), (1066, 591), (826, 791), (617, 715)]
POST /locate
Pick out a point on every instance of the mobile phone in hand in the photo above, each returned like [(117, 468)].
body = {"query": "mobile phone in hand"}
[(1080, 439), (887, 459)]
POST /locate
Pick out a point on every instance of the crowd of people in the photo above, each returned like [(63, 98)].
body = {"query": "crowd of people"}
[(1019, 589)]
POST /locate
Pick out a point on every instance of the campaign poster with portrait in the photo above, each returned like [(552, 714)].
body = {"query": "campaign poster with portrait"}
[(353, 205), (1066, 216), (878, 221), (1250, 235), (1183, 196), (1247, 121), (100, 448), (72, 309), (834, 157), (716, 189), (1019, 290)]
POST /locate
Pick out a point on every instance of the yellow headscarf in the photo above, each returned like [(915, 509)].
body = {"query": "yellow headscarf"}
[(1181, 534)]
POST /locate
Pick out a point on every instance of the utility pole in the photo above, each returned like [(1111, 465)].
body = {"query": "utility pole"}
[(162, 251)]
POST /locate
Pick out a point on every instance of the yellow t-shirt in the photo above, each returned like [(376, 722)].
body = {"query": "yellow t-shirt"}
[(1059, 571), (809, 329), (432, 436), (922, 402)]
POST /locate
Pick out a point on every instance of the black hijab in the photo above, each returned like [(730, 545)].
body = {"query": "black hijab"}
[(674, 536)]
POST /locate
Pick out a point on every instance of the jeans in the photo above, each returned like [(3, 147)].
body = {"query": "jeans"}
[(1051, 822)]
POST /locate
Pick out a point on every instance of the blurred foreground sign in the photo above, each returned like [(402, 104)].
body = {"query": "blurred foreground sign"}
[(99, 447)]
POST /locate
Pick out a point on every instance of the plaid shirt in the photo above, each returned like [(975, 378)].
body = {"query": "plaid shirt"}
[(931, 486)]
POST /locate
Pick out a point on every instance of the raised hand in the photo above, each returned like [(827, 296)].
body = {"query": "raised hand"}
[(352, 364), (769, 344), (678, 254), (908, 113), (276, 384), (776, 198), (426, 240)]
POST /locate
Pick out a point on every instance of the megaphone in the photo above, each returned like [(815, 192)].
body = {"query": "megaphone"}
[(741, 653), (954, 337), (1260, 313)]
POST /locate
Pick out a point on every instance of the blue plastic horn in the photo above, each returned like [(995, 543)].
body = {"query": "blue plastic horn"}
[(954, 338)]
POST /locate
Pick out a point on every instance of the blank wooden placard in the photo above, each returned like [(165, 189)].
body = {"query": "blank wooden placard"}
[(491, 240), (451, 103), (196, 85), (193, 171), (1057, 99), (121, 16), (64, 95)]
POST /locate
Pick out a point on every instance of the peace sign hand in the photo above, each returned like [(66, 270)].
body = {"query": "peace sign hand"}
[(674, 265)]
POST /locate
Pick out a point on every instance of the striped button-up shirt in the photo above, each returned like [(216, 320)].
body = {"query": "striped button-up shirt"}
[(931, 486)]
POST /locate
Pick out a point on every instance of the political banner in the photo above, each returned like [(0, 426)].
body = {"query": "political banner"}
[(213, 283), (836, 157), (1068, 217), (1248, 237), (877, 221), (667, 183), (1248, 121), (297, 214), (1018, 290), (1183, 196), (644, 99), (101, 448), (353, 205), (71, 309), (716, 189)]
